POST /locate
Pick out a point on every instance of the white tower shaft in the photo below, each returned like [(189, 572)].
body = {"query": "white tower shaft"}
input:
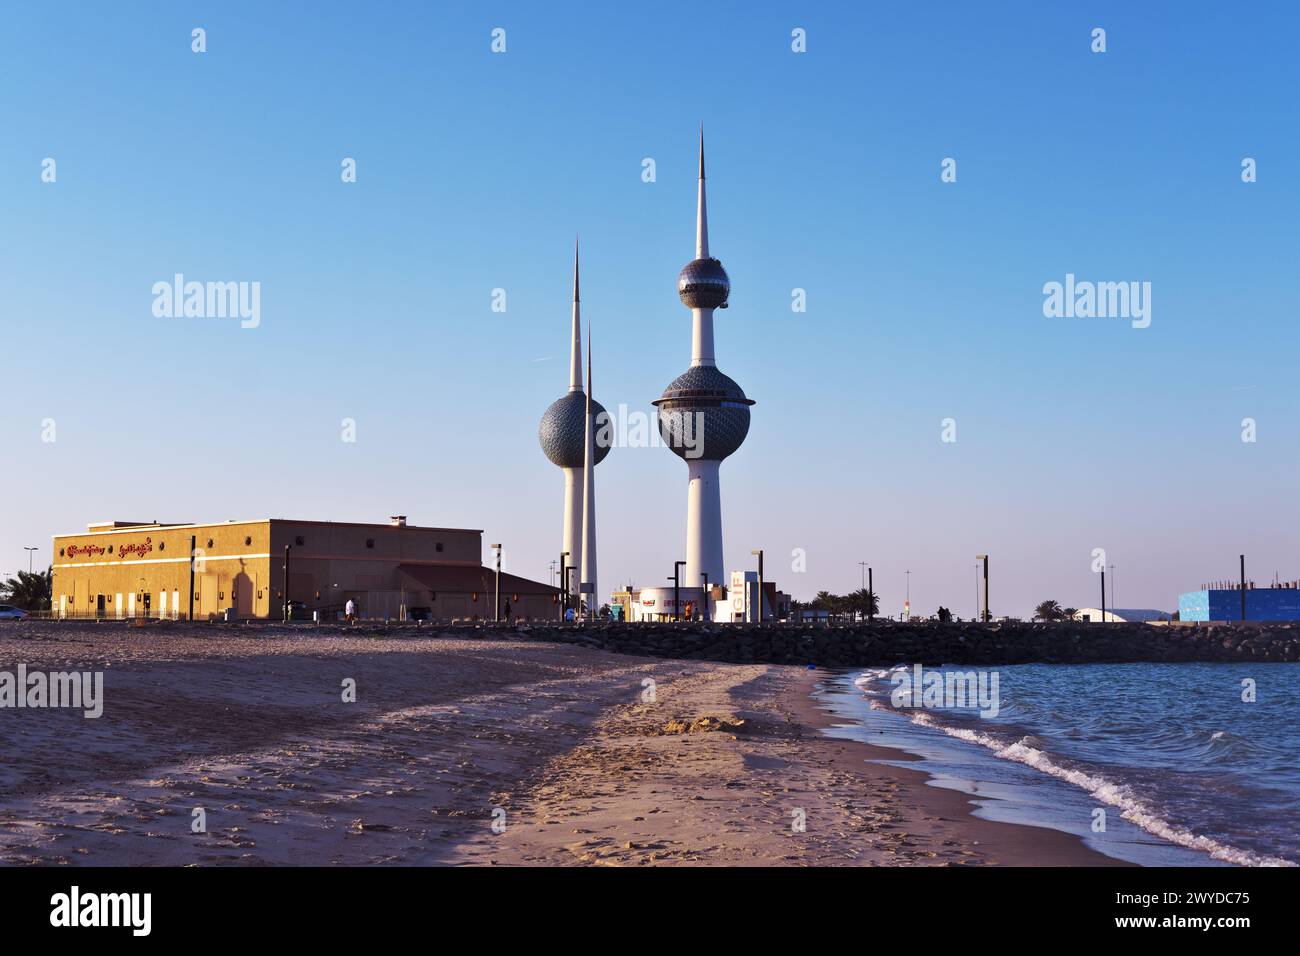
[(573, 478), (703, 524), (589, 502)]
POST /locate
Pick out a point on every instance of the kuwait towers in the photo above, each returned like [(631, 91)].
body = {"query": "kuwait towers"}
[(703, 414), (567, 437)]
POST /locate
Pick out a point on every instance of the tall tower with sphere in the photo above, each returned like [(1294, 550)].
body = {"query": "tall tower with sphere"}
[(703, 414), (563, 436)]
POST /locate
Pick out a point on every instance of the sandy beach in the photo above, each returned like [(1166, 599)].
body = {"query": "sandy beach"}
[(455, 752)]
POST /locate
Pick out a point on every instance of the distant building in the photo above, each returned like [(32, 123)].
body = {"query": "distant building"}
[(733, 604), (129, 569), (1276, 603), (1121, 615)]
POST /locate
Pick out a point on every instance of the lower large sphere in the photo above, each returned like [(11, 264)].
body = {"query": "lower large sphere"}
[(703, 414), (562, 434)]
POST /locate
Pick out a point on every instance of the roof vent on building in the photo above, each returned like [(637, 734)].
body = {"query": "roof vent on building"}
[(398, 521)]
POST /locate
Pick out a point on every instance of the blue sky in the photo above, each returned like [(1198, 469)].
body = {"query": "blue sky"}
[(476, 169)]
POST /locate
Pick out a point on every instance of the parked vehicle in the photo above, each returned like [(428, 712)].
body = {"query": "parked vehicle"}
[(10, 613)]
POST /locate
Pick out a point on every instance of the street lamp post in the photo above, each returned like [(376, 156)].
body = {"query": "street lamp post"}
[(30, 552), (907, 599), (759, 552), (871, 593), (286, 582), (1243, 587), (677, 589), (496, 608), (708, 616), (564, 585), (985, 559), (1103, 594)]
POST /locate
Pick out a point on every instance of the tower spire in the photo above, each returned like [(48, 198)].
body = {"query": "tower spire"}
[(701, 211), (575, 349), (588, 569)]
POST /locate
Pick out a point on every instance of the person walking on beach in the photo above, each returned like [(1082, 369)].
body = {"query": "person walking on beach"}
[(350, 611)]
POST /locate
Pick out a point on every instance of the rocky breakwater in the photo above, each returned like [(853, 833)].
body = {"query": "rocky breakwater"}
[(884, 643)]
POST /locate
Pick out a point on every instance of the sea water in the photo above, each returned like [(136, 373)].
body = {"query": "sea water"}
[(1184, 766)]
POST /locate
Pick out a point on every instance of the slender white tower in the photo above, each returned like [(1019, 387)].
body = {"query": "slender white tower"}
[(589, 591), (561, 437), (703, 414)]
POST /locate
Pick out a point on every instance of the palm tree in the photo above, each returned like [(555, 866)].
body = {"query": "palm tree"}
[(29, 591), (1068, 613), (1048, 611), (864, 602)]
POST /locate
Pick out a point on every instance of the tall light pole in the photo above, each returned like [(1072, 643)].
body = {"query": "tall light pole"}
[(759, 552), (871, 595), (496, 609), (564, 584), (1112, 589), (1243, 587), (677, 589), (863, 566), (907, 599), (977, 592), (30, 552), (1103, 594), (708, 611), (985, 559)]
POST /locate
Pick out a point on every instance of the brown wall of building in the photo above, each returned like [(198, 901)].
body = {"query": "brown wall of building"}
[(144, 570)]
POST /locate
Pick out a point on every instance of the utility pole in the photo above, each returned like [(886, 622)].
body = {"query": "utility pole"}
[(564, 585), (1243, 587), (193, 545), (286, 583), (985, 559), (496, 609), (677, 589), (871, 593), (1103, 594)]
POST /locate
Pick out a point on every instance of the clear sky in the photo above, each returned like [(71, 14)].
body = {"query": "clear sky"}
[(476, 169)]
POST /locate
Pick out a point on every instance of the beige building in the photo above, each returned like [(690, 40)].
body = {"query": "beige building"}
[(128, 569)]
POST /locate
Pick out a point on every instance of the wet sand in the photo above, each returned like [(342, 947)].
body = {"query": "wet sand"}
[(456, 751)]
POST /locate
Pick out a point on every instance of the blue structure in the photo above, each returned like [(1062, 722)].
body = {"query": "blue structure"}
[(1262, 604)]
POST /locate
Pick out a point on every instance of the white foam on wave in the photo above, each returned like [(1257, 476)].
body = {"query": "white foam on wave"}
[(1116, 795)]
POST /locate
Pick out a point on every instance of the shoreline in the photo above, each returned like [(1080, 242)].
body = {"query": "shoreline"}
[(582, 756), (1005, 844)]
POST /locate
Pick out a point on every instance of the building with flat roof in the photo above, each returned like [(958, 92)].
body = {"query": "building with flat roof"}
[(1281, 602), (1121, 615), (127, 569)]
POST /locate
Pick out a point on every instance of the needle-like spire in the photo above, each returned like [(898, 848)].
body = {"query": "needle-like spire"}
[(575, 348), (701, 211)]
